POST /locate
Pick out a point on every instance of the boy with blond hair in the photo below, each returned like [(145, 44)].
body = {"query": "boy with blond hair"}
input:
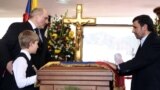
[(23, 70)]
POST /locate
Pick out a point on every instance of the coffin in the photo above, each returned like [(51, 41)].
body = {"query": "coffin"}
[(79, 76)]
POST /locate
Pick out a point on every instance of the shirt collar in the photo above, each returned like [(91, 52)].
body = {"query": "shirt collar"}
[(143, 39), (26, 53), (32, 24)]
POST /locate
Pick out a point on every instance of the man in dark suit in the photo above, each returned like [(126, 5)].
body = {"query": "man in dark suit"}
[(3, 57), (38, 19), (145, 66)]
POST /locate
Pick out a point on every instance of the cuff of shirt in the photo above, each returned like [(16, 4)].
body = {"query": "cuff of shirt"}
[(118, 68)]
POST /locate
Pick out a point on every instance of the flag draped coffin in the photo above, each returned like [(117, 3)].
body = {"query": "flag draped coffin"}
[(77, 76)]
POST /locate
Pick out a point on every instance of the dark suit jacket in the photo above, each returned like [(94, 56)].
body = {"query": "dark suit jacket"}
[(11, 49), (3, 58), (145, 66)]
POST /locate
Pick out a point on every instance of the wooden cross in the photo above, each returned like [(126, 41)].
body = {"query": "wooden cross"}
[(79, 22)]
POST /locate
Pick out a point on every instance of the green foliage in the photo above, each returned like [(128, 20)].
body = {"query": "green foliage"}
[(157, 26), (60, 40)]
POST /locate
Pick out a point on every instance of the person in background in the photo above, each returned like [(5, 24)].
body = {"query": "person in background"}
[(23, 70), (37, 23), (144, 67)]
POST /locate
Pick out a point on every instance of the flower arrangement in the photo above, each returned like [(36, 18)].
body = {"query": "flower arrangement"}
[(60, 40), (157, 23), (157, 26)]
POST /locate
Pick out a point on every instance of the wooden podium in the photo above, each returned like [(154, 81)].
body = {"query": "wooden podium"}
[(81, 77)]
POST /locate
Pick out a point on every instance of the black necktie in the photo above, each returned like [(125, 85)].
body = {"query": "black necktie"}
[(39, 34)]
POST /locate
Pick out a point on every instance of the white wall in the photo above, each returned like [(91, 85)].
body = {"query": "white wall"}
[(100, 43), (5, 22)]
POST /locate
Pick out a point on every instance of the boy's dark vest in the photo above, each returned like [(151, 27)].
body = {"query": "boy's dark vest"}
[(30, 72)]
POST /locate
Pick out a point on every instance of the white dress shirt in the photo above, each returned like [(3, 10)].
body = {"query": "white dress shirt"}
[(34, 27), (19, 69), (32, 24), (143, 39)]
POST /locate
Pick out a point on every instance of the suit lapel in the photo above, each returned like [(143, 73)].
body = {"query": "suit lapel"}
[(149, 39)]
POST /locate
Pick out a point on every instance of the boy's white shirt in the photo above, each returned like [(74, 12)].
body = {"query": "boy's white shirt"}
[(19, 69)]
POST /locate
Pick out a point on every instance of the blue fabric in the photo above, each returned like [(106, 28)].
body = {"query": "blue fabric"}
[(28, 7), (27, 12)]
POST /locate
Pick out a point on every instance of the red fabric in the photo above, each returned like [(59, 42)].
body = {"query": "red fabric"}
[(25, 17), (27, 12), (119, 80)]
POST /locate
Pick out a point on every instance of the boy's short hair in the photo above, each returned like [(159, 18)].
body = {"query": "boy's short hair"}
[(26, 37)]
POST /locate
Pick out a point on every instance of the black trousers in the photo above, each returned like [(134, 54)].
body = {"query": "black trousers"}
[(7, 81), (1, 80)]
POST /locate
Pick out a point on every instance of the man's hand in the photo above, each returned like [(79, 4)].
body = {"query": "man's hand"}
[(118, 58), (9, 67)]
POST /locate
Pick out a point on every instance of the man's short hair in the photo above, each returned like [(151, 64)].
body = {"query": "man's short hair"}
[(36, 11), (145, 19)]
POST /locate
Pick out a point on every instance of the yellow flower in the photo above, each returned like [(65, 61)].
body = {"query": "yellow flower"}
[(71, 34), (67, 38), (57, 51), (50, 42), (54, 35)]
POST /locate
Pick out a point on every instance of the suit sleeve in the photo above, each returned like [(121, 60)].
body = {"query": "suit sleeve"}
[(10, 42), (3, 57), (150, 54)]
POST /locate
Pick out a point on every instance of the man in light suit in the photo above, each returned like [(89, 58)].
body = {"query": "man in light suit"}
[(38, 19), (145, 66)]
